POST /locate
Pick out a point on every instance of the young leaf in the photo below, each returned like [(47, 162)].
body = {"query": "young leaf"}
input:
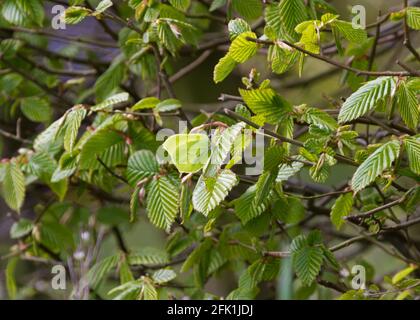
[(412, 145), (182, 5), (21, 228), (101, 269), (188, 152), (319, 118), (146, 103), (163, 276), (10, 278), (413, 17), (246, 208), (36, 109), (13, 186), (104, 144), (47, 138), (168, 105), (75, 14), (141, 164), (408, 105), (366, 98), (291, 13), (287, 170), (148, 257), (341, 208), (162, 202), (23, 12), (351, 34), (223, 68), (72, 124), (242, 49), (210, 191), (374, 165), (238, 26), (266, 103), (111, 101), (249, 9), (102, 6), (148, 291), (307, 259)]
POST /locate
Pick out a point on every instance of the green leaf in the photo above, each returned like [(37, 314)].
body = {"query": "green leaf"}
[(75, 14), (216, 4), (104, 144), (413, 17), (282, 59), (223, 68), (23, 12), (319, 118), (351, 34), (341, 208), (36, 109), (264, 185), (309, 38), (249, 9), (266, 103), (134, 203), (21, 228), (412, 145), (146, 103), (210, 191), (288, 170), (10, 278), (273, 157), (168, 105), (238, 26), (307, 259), (401, 275), (125, 272), (47, 138), (72, 124), (162, 202), (148, 257), (101, 269), (13, 186), (242, 49), (9, 48), (197, 254), (127, 291), (246, 208), (66, 167), (111, 101), (375, 164), (366, 98), (188, 152), (222, 144), (141, 164), (103, 5), (163, 276), (148, 291), (56, 236), (290, 210), (291, 13), (408, 105), (182, 5)]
